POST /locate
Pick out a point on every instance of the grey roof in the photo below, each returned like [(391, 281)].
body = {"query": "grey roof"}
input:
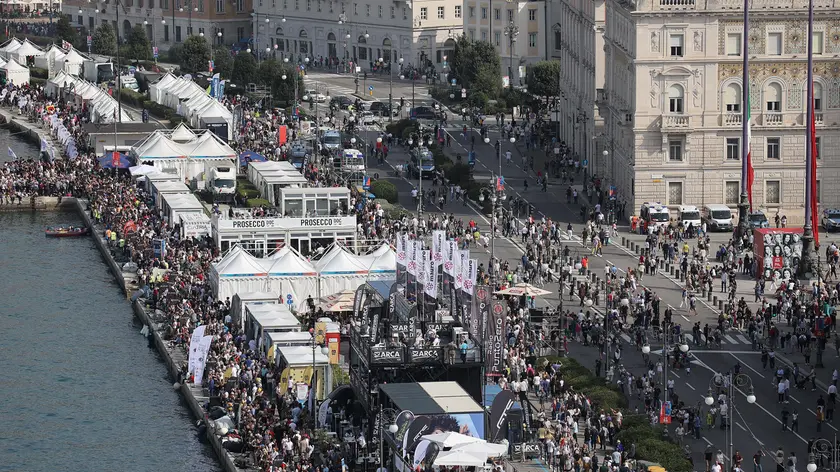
[(430, 398), (122, 127)]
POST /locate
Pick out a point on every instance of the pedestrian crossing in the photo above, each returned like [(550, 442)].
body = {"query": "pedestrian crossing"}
[(729, 339)]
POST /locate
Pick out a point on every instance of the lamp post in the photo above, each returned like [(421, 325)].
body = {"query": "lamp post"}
[(313, 388), (820, 449), (736, 382), (511, 31), (387, 416)]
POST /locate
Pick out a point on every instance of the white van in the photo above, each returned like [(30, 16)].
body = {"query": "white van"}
[(689, 215), (717, 217)]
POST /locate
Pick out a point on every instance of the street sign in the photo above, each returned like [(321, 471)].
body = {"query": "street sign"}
[(155, 52), (89, 40), (454, 81), (370, 90)]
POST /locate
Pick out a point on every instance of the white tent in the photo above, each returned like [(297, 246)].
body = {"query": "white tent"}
[(73, 61), (55, 85), (209, 146), (26, 49), (288, 273), (237, 272), (294, 273), (15, 73), (182, 133), (158, 146), (182, 91), (10, 46), (451, 439), (53, 54), (340, 270), (156, 89), (458, 458), (141, 170), (2, 62)]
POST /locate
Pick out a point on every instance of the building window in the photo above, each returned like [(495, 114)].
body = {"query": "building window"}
[(297, 4), (177, 34), (472, 35), (240, 5), (319, 6), (532, 15), (424, 13), (80, 20), (220, 6), (483, 13), (819, 147), (675, 99), (510, 15), (532, 40), (774, 148), (733, 44), (558, 40), (367, 9), (472, 12), (91, 25), (817, 96), (393, 12), (457, 11), (200, 6), (774, 44), (441, 13), (497, 13), (675, 193), (773, 192), (405, 13), (773, 97), (732, 98), (733, 149), (240, 33), (675, 150), (732, 192), (817, 39), (355, 8), (818, 192), (676, 45), (497, 38), (380, 11), (309, 5), (484, 35)]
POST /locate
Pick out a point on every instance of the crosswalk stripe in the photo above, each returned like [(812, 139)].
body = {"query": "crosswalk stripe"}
[(730, 339), (625, 337), (743, 339)]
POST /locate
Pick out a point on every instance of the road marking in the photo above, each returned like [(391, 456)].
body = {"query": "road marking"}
[(740, 426), (707, 441), (625, 337), (743, 339), (690, 386), (794, 399), (748, 366), (730, 339), (674, 374)]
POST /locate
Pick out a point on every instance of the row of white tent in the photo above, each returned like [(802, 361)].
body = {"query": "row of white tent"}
[(102, 105), (19, 50), (189, 100), (189, 153), (56, 59), (14, 71), (286, 271)]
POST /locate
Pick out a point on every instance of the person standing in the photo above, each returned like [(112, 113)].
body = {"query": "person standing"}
[(757, 461)]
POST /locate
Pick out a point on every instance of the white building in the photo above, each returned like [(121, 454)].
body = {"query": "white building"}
[(495, 21), (573, 30), (419, 31), (670, 100)]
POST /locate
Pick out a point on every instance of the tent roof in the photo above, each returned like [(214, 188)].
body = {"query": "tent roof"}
[(28, 49), (214, 109), (166, 80), (11, 45), (158, 146), (341, 262), (430, 398), (238, 263), (13, 66), (180, 201), (302, 356), (209, 146), (182, 132), (74, 56), (289, 264)]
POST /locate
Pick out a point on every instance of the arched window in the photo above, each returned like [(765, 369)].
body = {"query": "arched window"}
[(818, 94), (773, 97), (279, 31), (675, 99), (386, 42), (732, 98), (362, 39), (331, 37), (303, 34)]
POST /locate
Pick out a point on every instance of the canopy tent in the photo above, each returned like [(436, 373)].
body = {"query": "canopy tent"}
[(523, 289), (286, 272), (141, 170), (483, 449), (290, 266), (249, 156), (180, 91), (237, 272), (157, 89), (10, 46), (53, 55), (26, 49), (182, 133), (209, 146), (158, 146), (15, 72), (62, 79), (458, 458), (73, 60), (338, 302), (191, 159), (340, 270), (115, 160), (2, 62), (451, 439)]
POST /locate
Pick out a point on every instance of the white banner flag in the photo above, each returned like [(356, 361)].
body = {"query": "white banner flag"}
[(411, 256), (195, 340), (201, 362), (433, 281), (461, 258), (422, 262), (470, 278), (429, 283), (401, 249), (438, 240), (449, 250)]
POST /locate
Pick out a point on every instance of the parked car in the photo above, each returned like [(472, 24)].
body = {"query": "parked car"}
[(758, 220), (341, 103), (423, 161), (381, 109), (314, 96), (424, 113), (369, 118), (831, 219)]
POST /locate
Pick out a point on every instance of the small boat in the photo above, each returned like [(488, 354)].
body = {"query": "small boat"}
[(66, 231)]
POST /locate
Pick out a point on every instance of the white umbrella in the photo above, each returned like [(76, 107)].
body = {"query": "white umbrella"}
[(451, 439), (483, 448), (523, 289), (458, 458)]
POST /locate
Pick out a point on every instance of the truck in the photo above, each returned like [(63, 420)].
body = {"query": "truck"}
[(98, 72), (655, 216), (222, 183)]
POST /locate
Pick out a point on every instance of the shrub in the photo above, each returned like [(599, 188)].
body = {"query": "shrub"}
[(132, 98), (257, 202), (38, 81), (38, 72), (385, 190), (666, 454)]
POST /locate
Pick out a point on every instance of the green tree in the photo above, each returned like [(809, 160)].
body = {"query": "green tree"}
[(476, 66), (104, 40), (64, 31), (138, 45), (195, 55), (282, 89), (543, 79), (223, 61), (244, 69)]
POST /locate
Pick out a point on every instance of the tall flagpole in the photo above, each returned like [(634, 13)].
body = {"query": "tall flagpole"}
[(806, 262), (744, 204)]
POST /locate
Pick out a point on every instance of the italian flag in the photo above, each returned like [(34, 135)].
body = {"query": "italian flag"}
[(750, 170)]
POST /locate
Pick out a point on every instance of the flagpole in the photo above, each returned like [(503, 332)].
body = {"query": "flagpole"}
[(806, 262), (744, 202)]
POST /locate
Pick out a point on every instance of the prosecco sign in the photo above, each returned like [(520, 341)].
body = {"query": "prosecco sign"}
[(284, 224)]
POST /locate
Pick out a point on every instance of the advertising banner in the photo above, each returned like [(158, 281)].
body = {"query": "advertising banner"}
[(438, 240), (195, 340), (470, 276), (404, 420), (401, 249), (449, 250), (480, 312), (496, 338), (499, 411)]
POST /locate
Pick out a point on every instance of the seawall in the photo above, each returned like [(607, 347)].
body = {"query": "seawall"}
[(41, 204), (173, 357), (19, 125)]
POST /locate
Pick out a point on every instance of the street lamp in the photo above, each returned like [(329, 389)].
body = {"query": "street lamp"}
[(511, 31), (823, 448), (737, 381), (325, 351)]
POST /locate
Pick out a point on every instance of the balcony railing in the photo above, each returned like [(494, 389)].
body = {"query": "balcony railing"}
[(671, 4), (732, 119), (772, 119), (818, 117), (675, 122)]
